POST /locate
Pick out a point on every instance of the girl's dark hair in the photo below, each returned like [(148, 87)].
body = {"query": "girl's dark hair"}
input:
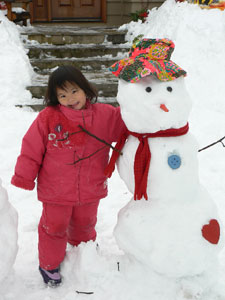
[(70, 74)]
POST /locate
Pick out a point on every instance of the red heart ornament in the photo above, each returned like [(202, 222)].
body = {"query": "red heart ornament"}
[(211, 231)]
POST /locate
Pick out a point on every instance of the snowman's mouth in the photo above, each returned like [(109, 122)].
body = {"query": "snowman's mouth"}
[(164, 108)]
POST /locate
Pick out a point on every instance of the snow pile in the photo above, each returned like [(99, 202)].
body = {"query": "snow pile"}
[(8, 234), (15, 67), (15, 72)]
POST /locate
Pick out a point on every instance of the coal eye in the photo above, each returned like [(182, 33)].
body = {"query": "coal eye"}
[(148, 89), (169, 89)]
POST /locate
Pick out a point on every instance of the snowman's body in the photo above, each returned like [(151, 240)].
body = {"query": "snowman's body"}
[(165, 231), (163, 181)]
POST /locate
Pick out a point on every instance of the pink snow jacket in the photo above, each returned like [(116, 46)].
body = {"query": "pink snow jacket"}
[(68, 163)]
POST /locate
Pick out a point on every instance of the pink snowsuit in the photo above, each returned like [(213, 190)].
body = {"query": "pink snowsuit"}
[(69, 166)]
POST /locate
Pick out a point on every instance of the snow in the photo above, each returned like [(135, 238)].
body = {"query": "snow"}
[(15, 67), (199, 49), (178, 102), (8, 237)]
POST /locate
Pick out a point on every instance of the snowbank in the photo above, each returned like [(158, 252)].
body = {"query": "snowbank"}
[(15, 68)]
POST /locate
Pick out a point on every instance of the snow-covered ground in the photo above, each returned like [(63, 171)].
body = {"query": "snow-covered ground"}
[(199, 37)]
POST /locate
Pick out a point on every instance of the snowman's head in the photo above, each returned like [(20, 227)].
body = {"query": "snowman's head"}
[(150, 105), (151, 93)]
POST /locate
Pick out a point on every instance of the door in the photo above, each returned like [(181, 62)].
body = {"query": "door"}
[(40, 10), (69, 10)]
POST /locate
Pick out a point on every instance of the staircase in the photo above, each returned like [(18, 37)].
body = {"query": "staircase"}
[(92, 50)]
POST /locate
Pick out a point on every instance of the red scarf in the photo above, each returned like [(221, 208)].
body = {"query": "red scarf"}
[(142, 157)]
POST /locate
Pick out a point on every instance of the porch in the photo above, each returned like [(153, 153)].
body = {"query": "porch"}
[(109, 12)]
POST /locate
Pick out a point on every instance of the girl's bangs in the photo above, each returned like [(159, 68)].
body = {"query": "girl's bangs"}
[(62, 79)]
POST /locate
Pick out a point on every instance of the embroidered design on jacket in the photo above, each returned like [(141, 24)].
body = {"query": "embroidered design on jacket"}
[(62, 132)]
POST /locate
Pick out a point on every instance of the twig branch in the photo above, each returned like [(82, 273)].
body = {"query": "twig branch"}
[(100, 140), (219, 141), (118, 266), (86, 293), (76, 161)]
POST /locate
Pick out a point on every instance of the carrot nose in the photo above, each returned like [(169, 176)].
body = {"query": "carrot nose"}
[(163, 107)]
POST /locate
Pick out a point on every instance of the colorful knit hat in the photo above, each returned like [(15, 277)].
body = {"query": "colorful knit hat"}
[(148, 57)]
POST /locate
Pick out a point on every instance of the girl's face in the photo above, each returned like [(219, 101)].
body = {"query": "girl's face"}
[(71, 96)]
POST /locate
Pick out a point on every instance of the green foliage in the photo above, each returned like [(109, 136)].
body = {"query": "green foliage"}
[(140, 15)]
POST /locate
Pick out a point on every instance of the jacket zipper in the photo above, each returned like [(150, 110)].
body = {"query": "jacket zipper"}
[(79, 170), (78, 186)]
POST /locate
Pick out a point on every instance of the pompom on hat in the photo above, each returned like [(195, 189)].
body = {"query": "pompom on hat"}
[(148, 57)]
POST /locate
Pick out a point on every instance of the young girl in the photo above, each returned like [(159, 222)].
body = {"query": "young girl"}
[(68, 163)]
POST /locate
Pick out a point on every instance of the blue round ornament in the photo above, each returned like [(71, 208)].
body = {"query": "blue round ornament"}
[(174, 161)]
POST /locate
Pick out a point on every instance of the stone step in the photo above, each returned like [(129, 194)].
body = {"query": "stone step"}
[(77, 50), (89, 63), (96, 76), (41, 78), (106, 84), (37, 104), (64, 35), (91, 50), (105, 90)]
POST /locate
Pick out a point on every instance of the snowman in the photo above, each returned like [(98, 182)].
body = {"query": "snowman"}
[(171, 224), (8, 234)]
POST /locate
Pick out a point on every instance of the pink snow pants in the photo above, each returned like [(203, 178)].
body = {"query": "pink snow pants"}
[(60, 224)]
